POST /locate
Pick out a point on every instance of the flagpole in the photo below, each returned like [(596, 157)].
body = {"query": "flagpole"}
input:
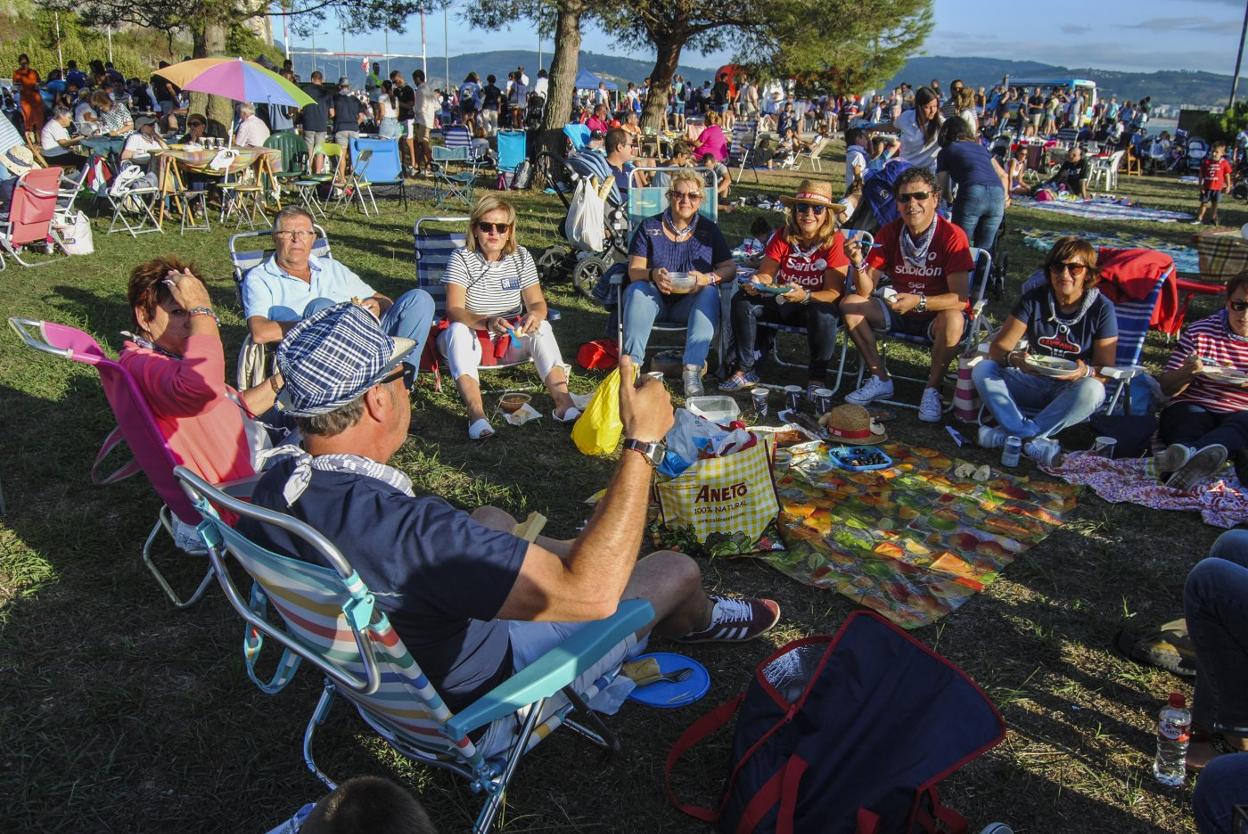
[(1239, 57), (446, 44), (424, 60)]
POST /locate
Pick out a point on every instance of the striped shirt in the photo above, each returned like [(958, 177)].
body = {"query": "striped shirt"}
[(493, 287), (1211, 339)]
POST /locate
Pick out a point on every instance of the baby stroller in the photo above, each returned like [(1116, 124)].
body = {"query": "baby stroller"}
[(584, 266), (877, 207), (1197, 151)]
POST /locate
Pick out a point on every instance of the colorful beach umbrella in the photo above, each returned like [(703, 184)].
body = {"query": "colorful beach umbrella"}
[(236, 79)]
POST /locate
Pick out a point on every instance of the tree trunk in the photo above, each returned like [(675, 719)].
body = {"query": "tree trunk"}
[(655, 113), (208, 41), (563, 68)]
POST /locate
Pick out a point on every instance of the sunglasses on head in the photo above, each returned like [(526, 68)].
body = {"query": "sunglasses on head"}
[(1237, 306), (1076, 269), (496, 228), (405, 372), (913, 195), (803, 208)]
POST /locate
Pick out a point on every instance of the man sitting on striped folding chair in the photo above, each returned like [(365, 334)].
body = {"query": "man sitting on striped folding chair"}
[(925, 262), (473, 600), (293, 284)]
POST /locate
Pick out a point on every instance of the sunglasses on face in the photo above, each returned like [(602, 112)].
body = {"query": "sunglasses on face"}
[(803, 208), (913, 195), (295, 234), (691, 196), (405, 372), (496, 228), (1238, 306), (1076, 269)]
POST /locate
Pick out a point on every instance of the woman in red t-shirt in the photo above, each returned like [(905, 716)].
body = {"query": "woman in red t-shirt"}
[(808, 257)]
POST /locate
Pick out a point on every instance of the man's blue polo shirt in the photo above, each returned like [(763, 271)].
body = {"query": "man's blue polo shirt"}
[(272, 292), (440, 577)]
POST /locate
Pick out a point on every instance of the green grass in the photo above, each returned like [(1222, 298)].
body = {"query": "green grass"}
[(119, 713)]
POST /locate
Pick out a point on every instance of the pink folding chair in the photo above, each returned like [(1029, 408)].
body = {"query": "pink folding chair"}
[(29, 219), (136, 427)]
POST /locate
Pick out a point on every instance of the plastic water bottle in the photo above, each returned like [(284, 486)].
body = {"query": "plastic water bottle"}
[(1170, 766)]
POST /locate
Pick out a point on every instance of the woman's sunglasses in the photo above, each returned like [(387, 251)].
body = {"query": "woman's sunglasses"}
[(691, 196), (1076, 269), (496, 228), (405, 372), (1238, 306), (803, 208), (913, 195)]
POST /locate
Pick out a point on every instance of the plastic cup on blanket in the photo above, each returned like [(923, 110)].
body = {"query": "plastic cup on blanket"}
[(1104, 447)]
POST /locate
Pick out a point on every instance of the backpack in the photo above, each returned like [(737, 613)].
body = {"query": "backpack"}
[(523, 176), (847, 734), (877, 190)]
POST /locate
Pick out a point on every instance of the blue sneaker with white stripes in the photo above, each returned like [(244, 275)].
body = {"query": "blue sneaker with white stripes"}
[(736, 619)]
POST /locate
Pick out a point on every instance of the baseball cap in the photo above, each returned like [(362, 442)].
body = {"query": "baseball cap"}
[(343, 81), (334, 356)]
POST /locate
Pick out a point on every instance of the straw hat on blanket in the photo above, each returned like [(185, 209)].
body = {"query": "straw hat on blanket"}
[(852, 425)]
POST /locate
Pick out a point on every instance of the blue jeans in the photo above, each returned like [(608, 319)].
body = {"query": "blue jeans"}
[(409, 317), (1196, 426), (1056, 404), (1215, 603), (644, 305), (1222, 785), (979, 209)]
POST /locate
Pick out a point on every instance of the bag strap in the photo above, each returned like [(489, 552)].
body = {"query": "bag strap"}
[(111, 442), (793, 772), (940, 818), (697, 732)]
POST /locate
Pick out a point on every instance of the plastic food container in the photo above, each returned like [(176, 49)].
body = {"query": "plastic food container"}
[(682, 282), (715, 409), (859, 458)]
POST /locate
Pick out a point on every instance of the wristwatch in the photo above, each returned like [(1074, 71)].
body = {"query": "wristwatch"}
[(652, 452), (922, 308)]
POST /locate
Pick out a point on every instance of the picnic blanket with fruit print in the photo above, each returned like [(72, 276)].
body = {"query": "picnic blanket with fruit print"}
[(913, 541)]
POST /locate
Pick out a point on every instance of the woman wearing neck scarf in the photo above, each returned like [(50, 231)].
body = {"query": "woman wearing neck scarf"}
[(676, 261), (178, 361), (807, 256), (1065, 318)]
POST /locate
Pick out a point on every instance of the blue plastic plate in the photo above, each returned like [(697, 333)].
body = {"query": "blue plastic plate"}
[(844, 457), (673, 695), (765, 289)]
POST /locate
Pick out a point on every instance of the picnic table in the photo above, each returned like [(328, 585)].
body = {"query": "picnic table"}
[(176, 158)]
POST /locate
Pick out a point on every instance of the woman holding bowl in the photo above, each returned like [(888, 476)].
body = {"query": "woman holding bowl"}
[(676, 262), (1071, 333), (806, 258), (492, 288)]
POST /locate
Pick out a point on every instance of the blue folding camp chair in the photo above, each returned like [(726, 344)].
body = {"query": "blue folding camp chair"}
[(136, 427), (252, 367), (450, 185), (976, 327), (512, 150), (330, 620), (382, 169), (578, 135)]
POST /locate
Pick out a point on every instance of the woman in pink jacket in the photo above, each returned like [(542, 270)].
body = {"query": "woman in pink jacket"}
[(712, 151), (178, 361)]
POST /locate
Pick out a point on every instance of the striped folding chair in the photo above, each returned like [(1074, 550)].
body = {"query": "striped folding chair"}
[(741, 148), (457, 138), (330, 621), (252, 367), (136, 427)]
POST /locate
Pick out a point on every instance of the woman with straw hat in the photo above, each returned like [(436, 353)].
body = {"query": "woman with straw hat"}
[(808, 257)]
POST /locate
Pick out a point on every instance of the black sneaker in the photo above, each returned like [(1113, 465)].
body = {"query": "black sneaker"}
[(736, 619)]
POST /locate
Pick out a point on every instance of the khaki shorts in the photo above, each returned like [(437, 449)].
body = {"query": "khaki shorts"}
[(421, 133), (314, 139)]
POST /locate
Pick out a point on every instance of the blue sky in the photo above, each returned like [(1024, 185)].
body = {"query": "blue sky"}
[(1133, 35)]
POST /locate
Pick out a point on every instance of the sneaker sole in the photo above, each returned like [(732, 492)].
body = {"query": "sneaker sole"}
[(1198, 467)]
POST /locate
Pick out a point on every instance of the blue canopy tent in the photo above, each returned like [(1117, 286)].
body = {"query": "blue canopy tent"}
[(586, 80)]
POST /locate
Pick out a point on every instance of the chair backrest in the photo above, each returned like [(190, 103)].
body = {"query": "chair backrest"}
[(647, 201), (445, 154), (512, 145), (457, 136), (330, 149), (134, 416), (243, 259), (294, 151), (744, 135), (384, 164), (578, 134), (330, 620), (33, 206), (433, 253)]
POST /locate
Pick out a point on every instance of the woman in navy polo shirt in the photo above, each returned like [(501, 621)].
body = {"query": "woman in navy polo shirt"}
[(678, 240), (980, 180), (1066, 318)]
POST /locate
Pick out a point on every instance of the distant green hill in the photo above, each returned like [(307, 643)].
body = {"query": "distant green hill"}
[(1171, 87), (611, 67)]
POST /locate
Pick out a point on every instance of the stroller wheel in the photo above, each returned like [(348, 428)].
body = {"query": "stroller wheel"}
[(551, 264), (587, 272)]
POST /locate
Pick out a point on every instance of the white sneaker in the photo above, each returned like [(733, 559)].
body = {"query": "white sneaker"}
[(1043, 450), (873, 389), (692, 377), (930, 407), (991, 437)]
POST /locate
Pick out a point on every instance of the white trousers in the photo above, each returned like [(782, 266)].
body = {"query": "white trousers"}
[(462, 349)]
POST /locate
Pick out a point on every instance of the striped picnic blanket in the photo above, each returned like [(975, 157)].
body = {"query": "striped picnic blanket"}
[(1101, 208)]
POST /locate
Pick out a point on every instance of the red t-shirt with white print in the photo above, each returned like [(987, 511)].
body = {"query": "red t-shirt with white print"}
[(949, 253), (805, 267)]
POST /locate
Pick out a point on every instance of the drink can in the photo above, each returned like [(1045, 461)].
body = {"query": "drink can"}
[(758, 397), (792, 397), (823, 401), (1011, 451)]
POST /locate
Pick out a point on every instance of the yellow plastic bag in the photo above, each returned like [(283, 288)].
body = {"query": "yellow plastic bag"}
[(598, 429)]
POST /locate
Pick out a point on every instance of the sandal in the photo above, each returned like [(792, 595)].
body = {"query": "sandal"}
[(480, 430)]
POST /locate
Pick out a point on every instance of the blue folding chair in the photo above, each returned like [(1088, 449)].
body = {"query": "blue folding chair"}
[(512, 147), (578, 135), (329, 619), (381, 168)]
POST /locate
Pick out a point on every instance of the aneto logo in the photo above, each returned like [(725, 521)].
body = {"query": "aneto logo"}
[(709, 494)]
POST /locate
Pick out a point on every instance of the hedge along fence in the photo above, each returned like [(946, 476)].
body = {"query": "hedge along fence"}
[(136, 52)]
